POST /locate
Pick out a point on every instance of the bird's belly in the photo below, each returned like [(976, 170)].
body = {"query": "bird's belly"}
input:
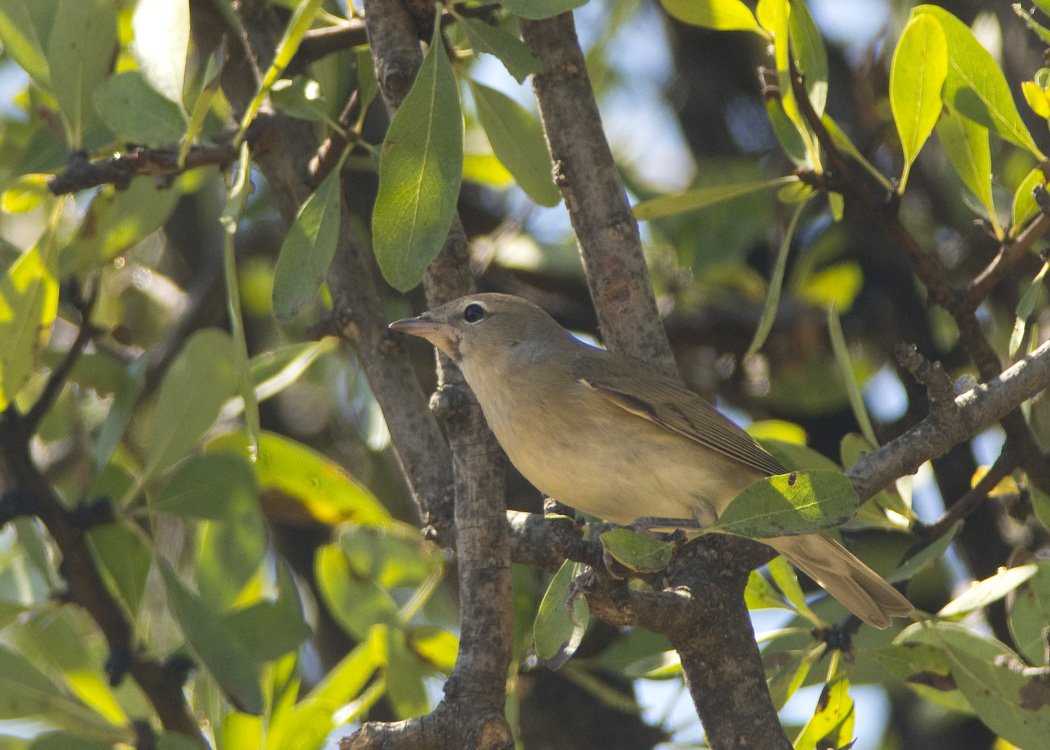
[(623, 472)]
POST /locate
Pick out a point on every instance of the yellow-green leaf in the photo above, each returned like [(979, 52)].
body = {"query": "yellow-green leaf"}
[(726, 15), (28, 304), (920, 66), (975, 85)]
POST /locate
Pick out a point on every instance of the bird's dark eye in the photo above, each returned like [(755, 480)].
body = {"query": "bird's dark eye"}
[(473, 312)]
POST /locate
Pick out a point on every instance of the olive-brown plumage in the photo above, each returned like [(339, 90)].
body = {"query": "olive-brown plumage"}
[(603, 433)]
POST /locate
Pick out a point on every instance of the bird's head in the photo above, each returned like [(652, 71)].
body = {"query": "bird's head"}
[(490, 328)]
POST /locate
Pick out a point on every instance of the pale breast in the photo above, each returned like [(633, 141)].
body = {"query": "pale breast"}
[(594, 456)]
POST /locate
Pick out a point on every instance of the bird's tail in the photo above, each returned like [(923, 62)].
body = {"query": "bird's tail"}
[(844, 576)]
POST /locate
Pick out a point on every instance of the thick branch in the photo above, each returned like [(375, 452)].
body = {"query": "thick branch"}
[(586, 174), (609, 244)]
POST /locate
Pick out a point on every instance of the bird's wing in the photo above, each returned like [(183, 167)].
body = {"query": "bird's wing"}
[(647, 394)]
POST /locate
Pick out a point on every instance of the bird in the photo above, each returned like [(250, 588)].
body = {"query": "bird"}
[(607, 435)]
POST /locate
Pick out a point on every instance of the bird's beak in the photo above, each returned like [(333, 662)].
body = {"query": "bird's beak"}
[(442, 335)]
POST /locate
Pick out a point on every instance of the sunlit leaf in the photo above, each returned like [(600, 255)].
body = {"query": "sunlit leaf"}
[(983, 593), (404, 676), (162, 36), (975, 85), (28, 305), (420, 172), (920, 66), (1025, 207), (320, 489), (726, 15), (787, 504), (832, 722), (434, 645)]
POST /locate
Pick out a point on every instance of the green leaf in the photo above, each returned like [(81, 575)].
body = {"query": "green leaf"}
[(808, 46), (318, 487), (966, 146), (788, 504), (849, 375), (125, 558), (924, 668), (308, 249), (920, 66), (404, 677), (637, 551), (517, 140), (975, 85), (300, 22), (25, 26), (394, 555), (162, 37), (27, 693), (760, 593), (539, 9), (270, 629), (785, 681), (80, 53), (776, 283), (1011, 701), (787, 132), (229, 554), (119, 415), (436, 646), (557, 633), (726, 15), (25, 194), (1030, 613), (219, 651), (1025, 207), (692, 200), (198, 382), (420, 173), (129, 106), (218, 486), (347, 679), (516, 56), (784, 577), (928, 557), (1041, 31), (832, 722), (798, 457), (28, 304), (983, 593), (356, 604), (116, 220)]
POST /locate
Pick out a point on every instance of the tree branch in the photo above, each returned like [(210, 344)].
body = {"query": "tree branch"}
[(971, 413)]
